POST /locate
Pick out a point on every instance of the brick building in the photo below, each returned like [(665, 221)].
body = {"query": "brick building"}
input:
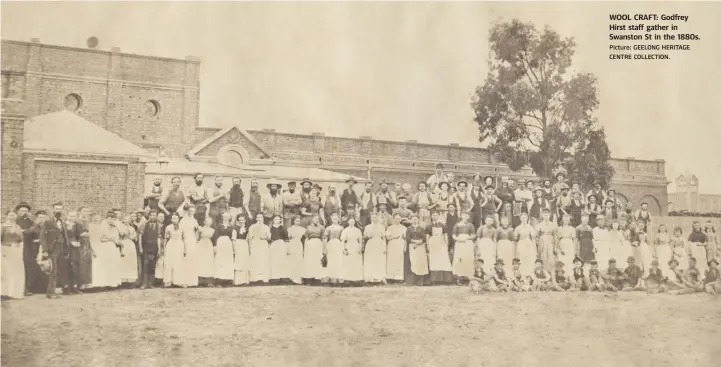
[(152, 103), (688, 196)]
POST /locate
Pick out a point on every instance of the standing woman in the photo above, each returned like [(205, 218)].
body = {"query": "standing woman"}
[(160, 262), (697, 240), (352, 239), (486, 248), (438, 262), (224, 251), (258, 236), (663, 249), (600, 242), (566, 243), (713, 251), (278, 251), (584, 234), (395, 259), (312, 208), (313, 252), (576, 208), (334, 251), (680, 249), (206, 253), (505, 248), (525, 236), (241, 257), (422, 202), (129, 258), (296, 238), (547, 240), (615, 242), (189, 225), (106, 273), (417, 271), (97, 268), (625, 249), (464, 235), (647, 255), (174, 251), (13, 266), (375, 251), (85, 269)]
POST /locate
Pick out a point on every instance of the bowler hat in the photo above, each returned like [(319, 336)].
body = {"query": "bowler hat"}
[(306, 181), (351, 179), (273, 182), (23, 205)]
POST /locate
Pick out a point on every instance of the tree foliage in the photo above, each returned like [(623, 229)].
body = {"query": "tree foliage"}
[(533, 110)]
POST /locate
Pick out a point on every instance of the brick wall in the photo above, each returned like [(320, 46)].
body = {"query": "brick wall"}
[(12, 148)]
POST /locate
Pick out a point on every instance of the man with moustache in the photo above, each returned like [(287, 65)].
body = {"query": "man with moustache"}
[(173, 200), (30, 249), (271, 203), (54, 245), (366, 203), (254, 204), (331, 204), (236, 199), (218, 201), (385, 196), (291, 204), (199, 199), (349, 196), (435, 179), (306, 185), (156, 192)]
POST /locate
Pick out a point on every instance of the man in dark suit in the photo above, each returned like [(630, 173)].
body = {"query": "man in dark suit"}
[(54, 244)]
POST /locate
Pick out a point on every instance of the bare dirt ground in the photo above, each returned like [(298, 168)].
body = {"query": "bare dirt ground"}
[(389, 326)]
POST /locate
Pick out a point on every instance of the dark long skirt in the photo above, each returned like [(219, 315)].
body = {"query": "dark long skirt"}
[(586, 249), (68, 268), (411, 278), (441, 277), (85, 267)]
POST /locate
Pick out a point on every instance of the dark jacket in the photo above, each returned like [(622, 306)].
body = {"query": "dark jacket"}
[(49, 235)]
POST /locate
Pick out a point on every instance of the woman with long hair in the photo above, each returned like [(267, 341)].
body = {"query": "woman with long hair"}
[(13, 267), (241, 252)]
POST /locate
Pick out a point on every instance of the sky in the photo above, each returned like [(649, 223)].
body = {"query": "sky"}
[(404, 71)]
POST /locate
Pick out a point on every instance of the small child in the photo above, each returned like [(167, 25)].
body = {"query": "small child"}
[(580, 281), (498, 275), (479, 282), (634, 276), (693, 276), (518, 281), (712, 280), (561, 283), (614, 277), (655, 281), (676, 282), (540, 279), (595, 278)]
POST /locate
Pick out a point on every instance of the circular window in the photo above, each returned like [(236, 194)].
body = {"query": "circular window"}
[(73, 102), (233, 158), (152, 108)]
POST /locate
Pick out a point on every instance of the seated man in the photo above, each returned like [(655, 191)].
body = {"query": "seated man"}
[(614, 277), (634, 276)]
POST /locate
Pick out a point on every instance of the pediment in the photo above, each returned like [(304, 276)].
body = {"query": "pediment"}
[(230, 137)]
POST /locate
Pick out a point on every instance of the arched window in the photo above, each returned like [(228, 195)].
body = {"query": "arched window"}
[(233, 155), (73, 102), (232, 158)]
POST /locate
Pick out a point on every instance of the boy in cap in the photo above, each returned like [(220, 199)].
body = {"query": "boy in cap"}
[(561, 282), (614, 277), (692, 274), (712, 280), (480, 281), (580, 280), (634, 276), (519, 283), (676, 281), (540, 279), (500, 282), (595, 278), (655, 281)]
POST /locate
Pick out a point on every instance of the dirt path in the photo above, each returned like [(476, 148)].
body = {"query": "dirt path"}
[(391, 326)]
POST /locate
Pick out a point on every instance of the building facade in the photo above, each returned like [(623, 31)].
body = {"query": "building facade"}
[(688, 197), (152, 103)]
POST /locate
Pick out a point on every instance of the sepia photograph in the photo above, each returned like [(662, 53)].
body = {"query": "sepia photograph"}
[(345, 183)]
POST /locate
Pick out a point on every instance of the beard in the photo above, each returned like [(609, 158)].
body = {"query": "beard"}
[(219, 185), (58, 215), (198, 182), (156, 183)]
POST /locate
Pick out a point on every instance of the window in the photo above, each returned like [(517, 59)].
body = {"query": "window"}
[(73, 102), (232, 158), (5, 85), (152, 108)]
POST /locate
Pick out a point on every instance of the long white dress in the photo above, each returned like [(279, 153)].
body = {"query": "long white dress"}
[(526, 248), (313, 253), (353, 261), (205, 253), (464, 251), (624, 249), (334, 253), (567, 247), (295, 254), (603, 251), (173, 266), (189, 275), (13, 268), (506, 249), (438, 259), (680, 252), (486, 246), (129, 261), (698, 251), (646, 253), (664, 252), (224, 261), (395, 262), (278, 251), (374, 257), (241, 262), (107, 257), (258, 236)]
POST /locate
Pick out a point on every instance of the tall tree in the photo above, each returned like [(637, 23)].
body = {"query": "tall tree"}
[(532, 109)]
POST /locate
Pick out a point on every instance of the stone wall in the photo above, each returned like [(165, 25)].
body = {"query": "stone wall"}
[(12, 161)]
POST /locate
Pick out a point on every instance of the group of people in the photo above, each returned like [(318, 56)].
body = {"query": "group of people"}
[(549, 237)]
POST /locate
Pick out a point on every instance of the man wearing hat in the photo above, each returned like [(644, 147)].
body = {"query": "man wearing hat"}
[(291, 204), (255, 201), (634, 276), (522, 201), (613, 277), (366, 203), (156, 192), (435, 179), (403, 211), (386, 196), (563, 201), (597, 191), (305, 186), (538, 205), (349, 196), (609, 210), (350, 212), (271, 204), (712, 279), (54, 245), (498, 275), (331, 204), (30, 250), (560, 183)]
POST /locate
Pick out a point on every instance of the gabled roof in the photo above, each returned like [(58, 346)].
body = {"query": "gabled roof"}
[(687, 175), (200, 146), (66, 132)]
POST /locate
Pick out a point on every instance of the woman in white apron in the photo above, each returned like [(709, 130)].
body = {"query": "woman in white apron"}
[(109, 253), (417, 272), (241, 257), (600, 243), (13, 267), (566, 239), (395, 250), (224, 254), (439, 264), (296, 237), (313, 252), (697, 242), (486, 242), (547, 240), (464, 254), (278, 250), (189, 226), (680, 249), (175, 252), (505, 247), (526, 245), (352, 239), (374, 251), (129, 257), (663, 249), (624, 249), (258, 237), (334, 251), (206, 254), (160, 262)]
